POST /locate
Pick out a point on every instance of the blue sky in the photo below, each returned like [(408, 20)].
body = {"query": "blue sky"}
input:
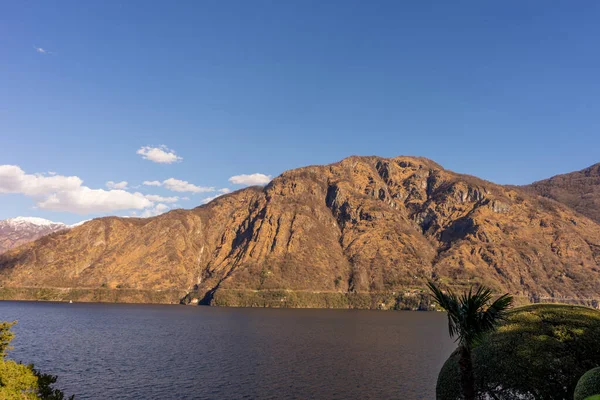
[(507, 91)]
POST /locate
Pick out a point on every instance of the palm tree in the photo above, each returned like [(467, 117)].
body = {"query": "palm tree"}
[(470, 317)]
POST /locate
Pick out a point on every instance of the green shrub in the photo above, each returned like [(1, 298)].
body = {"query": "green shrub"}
[(588, 385), (539, 353), (23, 382), (17, 381)]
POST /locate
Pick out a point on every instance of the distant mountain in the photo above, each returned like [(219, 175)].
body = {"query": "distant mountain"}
[(20, 230), (363, 232), (579, 190)]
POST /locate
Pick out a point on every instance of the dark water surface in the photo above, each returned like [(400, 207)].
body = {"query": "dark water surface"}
[(108, 351)]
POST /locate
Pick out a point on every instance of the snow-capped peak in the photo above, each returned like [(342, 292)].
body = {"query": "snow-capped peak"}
[(32, 221), (20, 230)]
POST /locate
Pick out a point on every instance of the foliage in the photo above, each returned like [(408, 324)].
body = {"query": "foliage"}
[(6, 336), (448, 387), (17, 381), (413, 301), (539, 352), (470, 315), (588, 385), (107, 295), (281, 298), (23, 382)]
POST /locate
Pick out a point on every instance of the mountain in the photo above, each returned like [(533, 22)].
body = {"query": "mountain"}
[(579, 190), (363, 232), (20, 230)]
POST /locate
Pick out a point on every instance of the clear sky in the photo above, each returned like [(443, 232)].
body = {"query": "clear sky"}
[(89, 90)]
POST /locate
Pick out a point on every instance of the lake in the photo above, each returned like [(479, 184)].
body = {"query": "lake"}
[(121, 351)]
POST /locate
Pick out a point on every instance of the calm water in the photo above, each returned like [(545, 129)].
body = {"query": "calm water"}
[(102, 351)]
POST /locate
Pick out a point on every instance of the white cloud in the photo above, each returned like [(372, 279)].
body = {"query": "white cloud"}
[(178, 185), (185, 198), (152, 183), (116, 185), (84, 200), (161, 154), (156, 210), (42, 51), (225, 190), (67, 193), (250, 180), (161, 208), (161, 199), (14, 180)]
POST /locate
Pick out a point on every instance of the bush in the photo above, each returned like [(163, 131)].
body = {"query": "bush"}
[(23, 382), (17, 381), (588, 385), (448, 386), (540, 352)]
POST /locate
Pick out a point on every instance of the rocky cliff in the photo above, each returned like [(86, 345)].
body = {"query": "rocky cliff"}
[(329, 236)]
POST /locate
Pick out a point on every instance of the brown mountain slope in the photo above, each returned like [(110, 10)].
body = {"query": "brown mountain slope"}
[(579, 190), (363, 225)]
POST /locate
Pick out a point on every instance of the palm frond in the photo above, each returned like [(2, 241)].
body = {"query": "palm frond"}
[(498, 310), (449, 302), (471, 315)]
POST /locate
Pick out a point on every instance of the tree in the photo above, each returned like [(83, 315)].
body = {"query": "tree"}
[(6, 335), (470, 317), (19, 381), (540, 352)]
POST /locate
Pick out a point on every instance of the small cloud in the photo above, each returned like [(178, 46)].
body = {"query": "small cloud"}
[(225, 190), (152, 183), (161, 154), (154, 211), (116, 185), (42, 50), (185, 198), (161, 199), (178, 185), (250, 180)]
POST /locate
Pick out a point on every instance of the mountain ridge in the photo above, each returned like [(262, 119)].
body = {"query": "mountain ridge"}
[(579, 190), (361, 226)]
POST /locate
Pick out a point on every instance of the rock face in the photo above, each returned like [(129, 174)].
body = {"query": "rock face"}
[(579, 190), (20, 230), (365, 225)]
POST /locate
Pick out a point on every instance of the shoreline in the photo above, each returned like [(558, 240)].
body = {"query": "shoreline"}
[(408, 300)]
